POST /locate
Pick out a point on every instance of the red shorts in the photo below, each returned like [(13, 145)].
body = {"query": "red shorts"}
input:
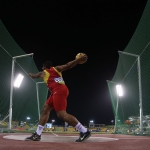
[(58, 99)]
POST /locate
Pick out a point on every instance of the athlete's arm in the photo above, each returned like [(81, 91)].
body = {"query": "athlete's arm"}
[(37, 75), (71, 64)]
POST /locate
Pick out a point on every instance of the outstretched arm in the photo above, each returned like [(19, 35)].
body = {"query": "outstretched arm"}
[(37, 75), (71, 64)]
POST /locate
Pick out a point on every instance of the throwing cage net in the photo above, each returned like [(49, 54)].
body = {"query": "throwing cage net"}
[(132, 107), (20, 108)]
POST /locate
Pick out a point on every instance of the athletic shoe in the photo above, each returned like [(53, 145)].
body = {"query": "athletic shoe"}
[(34, 137), (84, 136)]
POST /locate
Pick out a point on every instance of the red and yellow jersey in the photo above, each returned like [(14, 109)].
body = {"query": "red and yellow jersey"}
[(53, 78)]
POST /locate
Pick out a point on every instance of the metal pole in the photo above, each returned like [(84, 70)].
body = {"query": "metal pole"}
[(11, 87), (140, 96), (140, 88), (11, 93), (111, 81), (116, 118), (120, 52), (38, 99), (23, 55), (115, 127)]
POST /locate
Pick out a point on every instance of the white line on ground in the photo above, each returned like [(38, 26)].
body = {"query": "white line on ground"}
[(54, 134)]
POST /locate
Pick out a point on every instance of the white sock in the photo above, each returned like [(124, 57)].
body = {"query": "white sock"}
[(81, 128), (39, 129)]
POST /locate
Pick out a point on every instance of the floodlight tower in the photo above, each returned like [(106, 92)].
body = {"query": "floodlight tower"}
[(91, 124), (12, 84), (140, 87), (119, 94), (53, 121)]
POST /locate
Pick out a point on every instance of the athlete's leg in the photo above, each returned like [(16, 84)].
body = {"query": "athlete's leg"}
[(44, 118), (60, 105), (45, 114), (70, 119)]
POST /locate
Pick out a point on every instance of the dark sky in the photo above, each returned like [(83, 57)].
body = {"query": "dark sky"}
[(58, 30)]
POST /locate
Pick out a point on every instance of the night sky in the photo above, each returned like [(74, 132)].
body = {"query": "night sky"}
[(58, 30)]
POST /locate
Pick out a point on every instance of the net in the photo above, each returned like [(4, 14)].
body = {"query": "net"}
[(132, 110), (28, 100)]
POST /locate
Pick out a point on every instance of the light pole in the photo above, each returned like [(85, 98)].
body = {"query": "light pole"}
[(12, 84), (119, 94), (37, 93), (53, 121), (140, 86), (91, 123)]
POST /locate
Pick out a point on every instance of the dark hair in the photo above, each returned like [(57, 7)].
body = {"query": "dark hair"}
[(47, 64)]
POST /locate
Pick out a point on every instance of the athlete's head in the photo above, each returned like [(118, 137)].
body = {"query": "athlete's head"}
[(47, 65)]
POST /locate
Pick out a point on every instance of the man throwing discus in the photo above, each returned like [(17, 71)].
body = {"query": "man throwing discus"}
[(52, 76)]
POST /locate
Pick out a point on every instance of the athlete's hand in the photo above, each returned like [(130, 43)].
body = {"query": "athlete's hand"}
[(83, 58)]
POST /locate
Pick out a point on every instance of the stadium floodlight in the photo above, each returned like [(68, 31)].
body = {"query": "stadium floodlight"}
[(119, 94), (119, 90), (53, 121), (28, 118), (91, 121), (112, 121), (18, 80)]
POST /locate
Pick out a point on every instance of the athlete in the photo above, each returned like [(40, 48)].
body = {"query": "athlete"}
[(52, 76)]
